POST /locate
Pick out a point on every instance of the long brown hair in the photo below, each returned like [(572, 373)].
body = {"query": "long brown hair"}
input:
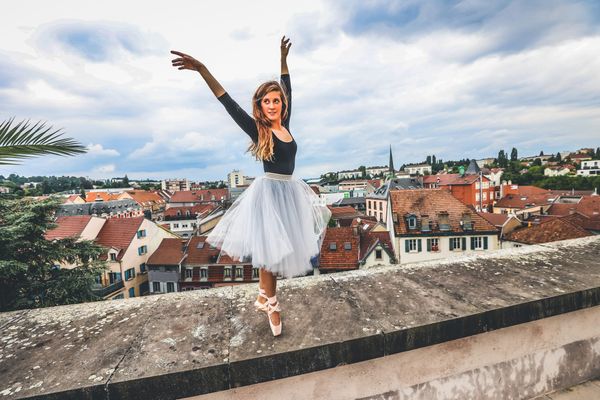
[(263, 149)]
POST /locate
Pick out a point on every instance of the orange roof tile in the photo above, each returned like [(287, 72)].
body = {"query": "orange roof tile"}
[(548, 231), (192, 196), (119, 232), (90, 197), (339, 258), (169, 252), (68, 226)]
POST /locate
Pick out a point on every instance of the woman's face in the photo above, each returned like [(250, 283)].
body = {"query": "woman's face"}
[(271, 106)]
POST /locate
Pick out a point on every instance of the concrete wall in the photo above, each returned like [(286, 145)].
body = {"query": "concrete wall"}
[(519, 362)]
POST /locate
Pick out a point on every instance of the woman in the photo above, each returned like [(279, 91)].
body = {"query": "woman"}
[(277, 221)]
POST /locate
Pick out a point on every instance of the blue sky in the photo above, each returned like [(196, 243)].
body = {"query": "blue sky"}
[(458, 79)]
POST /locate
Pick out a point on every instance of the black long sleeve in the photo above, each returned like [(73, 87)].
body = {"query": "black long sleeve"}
[(287, 87), (240, 116)]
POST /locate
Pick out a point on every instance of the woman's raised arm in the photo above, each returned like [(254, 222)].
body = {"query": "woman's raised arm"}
[(186, 61), (285, 79)]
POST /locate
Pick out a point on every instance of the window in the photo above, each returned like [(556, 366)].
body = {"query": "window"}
[(477, 196), (175, 226), (239, 273), (491, 195), (369, 204), (227, 273), (378, 254), (132, 292), (412, 245), (113, 257), (204, 273), (479, 243), (170, 287), (143, 267), (457, 243), (484, 195), (141, 233), (433, 245), (129, 274), (347, 246), (381, 206), (332, 246), (156, 287), (444, 221), (255, 274), (412, 222), (188, 273), (142, 250)]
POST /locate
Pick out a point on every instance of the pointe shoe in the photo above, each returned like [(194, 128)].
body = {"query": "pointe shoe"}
[(257, 304), (272, 306)]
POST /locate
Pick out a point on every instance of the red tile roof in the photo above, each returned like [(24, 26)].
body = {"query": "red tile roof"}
[(193, 196), (196, 209), (451, 179), (169, 252), (339, 258), (200, 252), (119, 232), (369, 240), (548, 231), (519, 201), (495, 219), (524, 190), (433, 202), (588, 205), (146, 198), (68, 226), (343, 212), (90, 197)]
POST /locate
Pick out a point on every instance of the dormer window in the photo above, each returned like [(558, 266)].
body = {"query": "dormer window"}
[(444, 221), (466, 222), (347, 246), (332, 246), (411, 220), (425, 227)]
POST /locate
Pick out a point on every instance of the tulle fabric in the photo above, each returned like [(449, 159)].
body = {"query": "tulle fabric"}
[(277, 223)]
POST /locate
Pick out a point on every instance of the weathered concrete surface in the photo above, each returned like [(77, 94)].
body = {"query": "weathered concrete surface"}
[(585, 391), (184, 344), (510, 363)]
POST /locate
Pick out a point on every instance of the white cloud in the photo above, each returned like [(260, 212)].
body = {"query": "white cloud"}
[(98, 150)]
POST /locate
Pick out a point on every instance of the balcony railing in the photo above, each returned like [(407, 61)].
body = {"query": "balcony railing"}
[(103, 291)]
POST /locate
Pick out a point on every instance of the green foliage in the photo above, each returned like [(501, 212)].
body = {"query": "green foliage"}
[(24, 140), (29, 276)]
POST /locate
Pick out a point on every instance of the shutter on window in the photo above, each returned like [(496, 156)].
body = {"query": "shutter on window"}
[(485, 242), (419, 244), (451, 243), (472, 243), (406, 248), (464, 243), (428, 244)]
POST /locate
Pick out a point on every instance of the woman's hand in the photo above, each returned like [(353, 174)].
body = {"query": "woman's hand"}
[(285, 46), (186, 61)]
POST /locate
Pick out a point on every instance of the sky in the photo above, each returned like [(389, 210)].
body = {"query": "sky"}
[(458, 79)]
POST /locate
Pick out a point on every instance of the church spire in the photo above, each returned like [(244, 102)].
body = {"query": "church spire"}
[(391, 163)]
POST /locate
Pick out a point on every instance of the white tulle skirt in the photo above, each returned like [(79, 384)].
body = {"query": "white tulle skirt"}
[(277, 223)]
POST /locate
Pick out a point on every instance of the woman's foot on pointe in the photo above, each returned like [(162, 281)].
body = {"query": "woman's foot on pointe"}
[(273, 315)]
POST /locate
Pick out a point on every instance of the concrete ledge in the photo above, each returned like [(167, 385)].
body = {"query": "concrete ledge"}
[(185, 344)]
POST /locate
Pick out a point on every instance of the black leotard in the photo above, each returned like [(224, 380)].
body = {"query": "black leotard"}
[(284, 157)]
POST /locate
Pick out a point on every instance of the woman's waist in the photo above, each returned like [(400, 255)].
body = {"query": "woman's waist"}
[(275, 175)]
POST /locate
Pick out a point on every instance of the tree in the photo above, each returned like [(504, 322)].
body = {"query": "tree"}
[(541, 153), (363, 171), (558, 157), (29, 272), (502, 160), (433, 161), (125, 181), (428, 160), (514, 155), (24, 140), (598, 153)]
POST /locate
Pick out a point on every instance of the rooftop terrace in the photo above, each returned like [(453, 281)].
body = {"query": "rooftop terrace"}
[(191, 343)]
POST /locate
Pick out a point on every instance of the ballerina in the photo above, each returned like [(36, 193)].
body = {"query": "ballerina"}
[(278, 221)]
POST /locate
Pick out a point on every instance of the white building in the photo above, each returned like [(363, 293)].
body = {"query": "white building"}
[(174, 185), (421, 169), (556, 171), (235, 178), (349, 174), (589, 167), (430, 224)]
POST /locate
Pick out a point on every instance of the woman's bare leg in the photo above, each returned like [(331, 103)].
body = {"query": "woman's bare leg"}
[(268, 281)]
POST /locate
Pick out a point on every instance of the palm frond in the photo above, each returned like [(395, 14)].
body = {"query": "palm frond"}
[(25, 140)]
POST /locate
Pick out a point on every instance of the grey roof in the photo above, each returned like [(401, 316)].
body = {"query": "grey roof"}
[(97, 207), (395, 183), (473, 168)]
